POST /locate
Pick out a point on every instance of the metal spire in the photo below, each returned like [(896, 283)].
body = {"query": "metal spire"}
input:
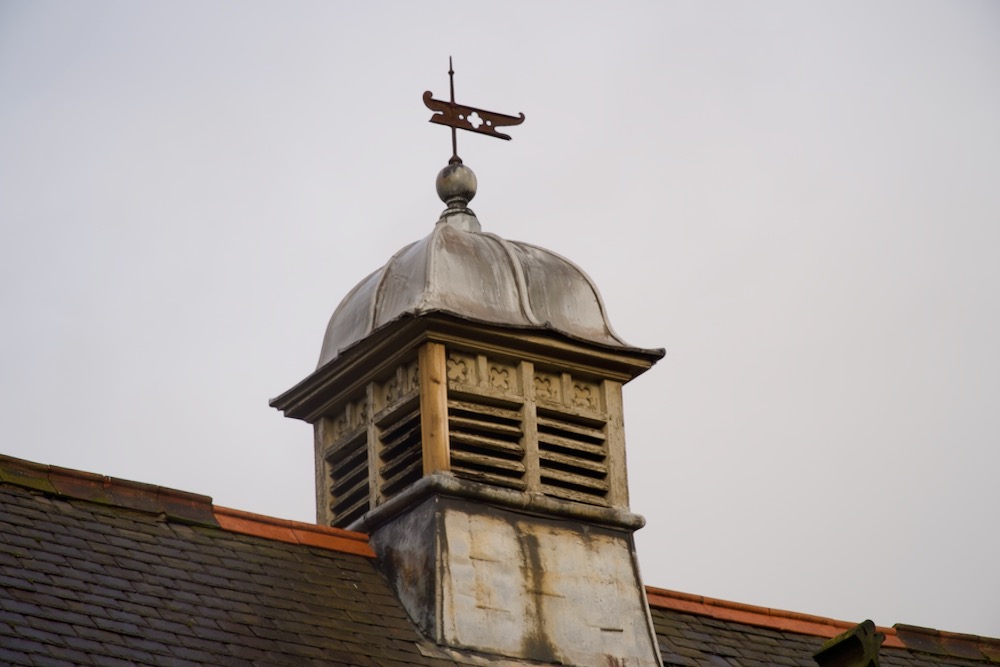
[(461, 117)]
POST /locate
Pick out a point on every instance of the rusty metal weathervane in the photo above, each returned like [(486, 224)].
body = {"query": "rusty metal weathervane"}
[(461, 117)]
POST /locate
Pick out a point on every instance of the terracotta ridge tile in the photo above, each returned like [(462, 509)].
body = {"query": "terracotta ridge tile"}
[(176, 505), (765, 617), (294, 532)]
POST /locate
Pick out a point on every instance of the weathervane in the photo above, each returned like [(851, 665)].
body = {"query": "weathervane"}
[(461, 117)]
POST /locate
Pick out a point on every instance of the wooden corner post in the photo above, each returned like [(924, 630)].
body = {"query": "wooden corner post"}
[(434, 407)]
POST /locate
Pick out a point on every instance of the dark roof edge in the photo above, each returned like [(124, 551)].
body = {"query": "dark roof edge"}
[(899, 636), (178, 506)]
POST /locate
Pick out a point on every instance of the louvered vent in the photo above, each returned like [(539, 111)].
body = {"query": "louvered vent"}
[(400, 455), (486, 443), (572, 457), (349, 473)]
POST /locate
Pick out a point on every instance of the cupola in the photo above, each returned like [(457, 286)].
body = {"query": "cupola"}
[(467, 410), (466, 353)]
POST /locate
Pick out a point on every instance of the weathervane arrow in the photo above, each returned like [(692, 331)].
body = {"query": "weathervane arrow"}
[(462, 117)]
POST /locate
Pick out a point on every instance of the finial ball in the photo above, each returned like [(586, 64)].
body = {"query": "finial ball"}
[(456, 183)]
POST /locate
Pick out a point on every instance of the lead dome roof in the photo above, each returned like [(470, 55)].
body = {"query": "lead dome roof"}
[(460, 270)]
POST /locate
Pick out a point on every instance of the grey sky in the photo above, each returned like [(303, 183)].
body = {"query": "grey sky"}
[(798, 200)]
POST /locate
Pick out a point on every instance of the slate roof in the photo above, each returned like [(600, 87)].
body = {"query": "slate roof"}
[(98, 571), (138, 575)]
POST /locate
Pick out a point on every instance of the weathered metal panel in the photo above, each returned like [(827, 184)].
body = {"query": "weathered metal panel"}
[(477, 276), (519, 586), (408, 554)]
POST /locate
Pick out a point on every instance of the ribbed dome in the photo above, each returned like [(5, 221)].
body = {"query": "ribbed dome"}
[(478, 276)]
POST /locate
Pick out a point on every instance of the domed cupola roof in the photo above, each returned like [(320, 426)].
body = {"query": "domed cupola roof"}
[(462, 271)]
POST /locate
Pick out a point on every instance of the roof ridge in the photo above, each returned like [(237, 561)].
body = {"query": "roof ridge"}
[(179, 506), (295, 532), (182, 506), (910, 637)]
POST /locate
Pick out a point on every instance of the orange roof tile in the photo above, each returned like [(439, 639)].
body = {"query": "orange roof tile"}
[(296, 532), (765, 617)]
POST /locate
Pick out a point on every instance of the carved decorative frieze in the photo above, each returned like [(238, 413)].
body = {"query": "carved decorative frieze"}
[(338, 426), (357, 413), (461, 369), (412, 377), (402, 383), (391, 391), (548, 387), (585, 395), (502, 378)]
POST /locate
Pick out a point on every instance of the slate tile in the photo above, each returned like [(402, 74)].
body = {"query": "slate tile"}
[(86, 567), (19, 607), (390, 653), (766, 640), (218, 635), (42, 566), (324, 614), (86, 608), (194, 655), (236, 595), (155, 640), (233, 628), (352, 563), (234, 564), (230, 606), (166, 573), (15, 512), (10, 655), (197, 643), (64, 582), (103, 598), (49, 661), (48, 595), (173, 661), (109, 586), (690, 643), (258, 643), (406, 646), (754, 654), (162, 589), (26, 573), (117, 627), (70, 654), (726, 651), (8, 559), (49, 625), (246, 652), (24, 544), (110, 661), (672, 657), (26, 531), (359, 656), (11, 582), (192, 587), (33, 633), (10, 620)]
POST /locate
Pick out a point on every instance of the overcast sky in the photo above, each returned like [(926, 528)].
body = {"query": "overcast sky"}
[(799, 201)]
